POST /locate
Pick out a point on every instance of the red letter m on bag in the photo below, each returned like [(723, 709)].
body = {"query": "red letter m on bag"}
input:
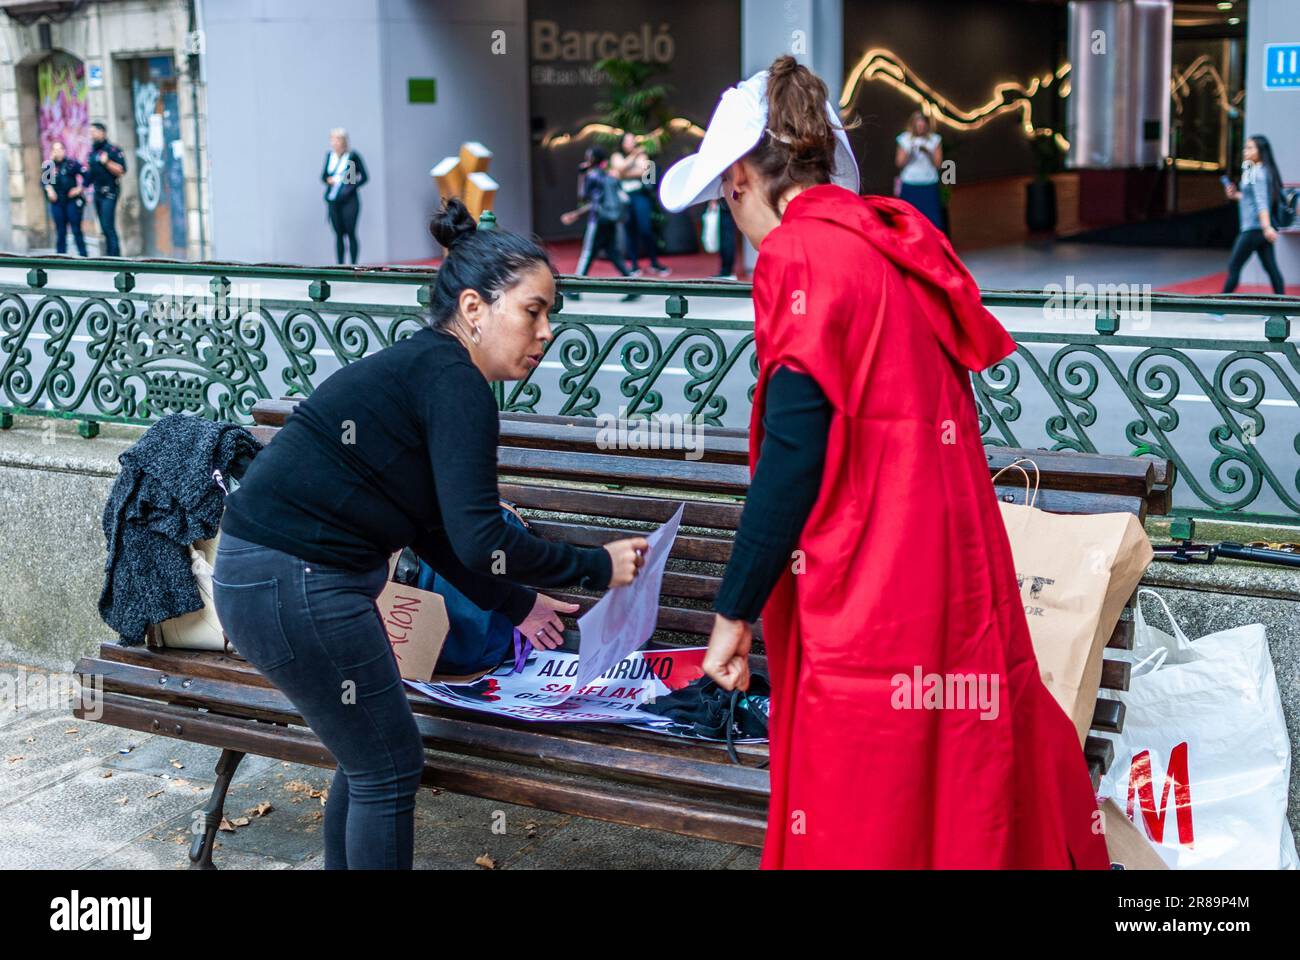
[(1141, 788)]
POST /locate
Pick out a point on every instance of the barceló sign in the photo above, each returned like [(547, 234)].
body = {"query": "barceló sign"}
[(1282, 66)]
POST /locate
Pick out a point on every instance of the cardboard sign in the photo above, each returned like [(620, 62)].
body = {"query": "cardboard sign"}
[(417, 624)]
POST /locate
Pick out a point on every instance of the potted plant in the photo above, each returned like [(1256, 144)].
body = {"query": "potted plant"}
[(1040, 192), (635, 102)]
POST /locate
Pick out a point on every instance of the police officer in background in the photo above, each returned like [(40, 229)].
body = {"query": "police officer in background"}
[(103, 171), (62, 177)]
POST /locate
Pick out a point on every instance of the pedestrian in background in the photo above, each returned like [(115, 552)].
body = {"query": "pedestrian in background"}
[(726, 242), (62, 177), (1258, 197), (343, 174), (104, 173), (918, 158), (606, 209), (629, 164)]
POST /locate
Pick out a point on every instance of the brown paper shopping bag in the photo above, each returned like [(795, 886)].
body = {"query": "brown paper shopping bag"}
[(1125, 843), (417, 624), (1075, 574)]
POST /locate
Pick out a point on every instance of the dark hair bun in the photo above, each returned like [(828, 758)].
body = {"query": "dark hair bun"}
[(452, 224)]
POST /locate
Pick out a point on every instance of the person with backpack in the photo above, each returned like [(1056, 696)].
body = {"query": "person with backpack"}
[(606, 208), (1259, 202)]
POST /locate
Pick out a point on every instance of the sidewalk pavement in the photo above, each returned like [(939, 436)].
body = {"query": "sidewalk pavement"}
[(77, 794)]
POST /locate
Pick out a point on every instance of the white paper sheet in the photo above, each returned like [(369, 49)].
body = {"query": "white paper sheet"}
[(625, 617)]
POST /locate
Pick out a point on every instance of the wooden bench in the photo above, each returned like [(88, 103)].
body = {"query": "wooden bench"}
[(572, 491)]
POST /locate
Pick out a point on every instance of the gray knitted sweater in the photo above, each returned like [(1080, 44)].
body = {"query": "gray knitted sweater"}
[(164, 499)]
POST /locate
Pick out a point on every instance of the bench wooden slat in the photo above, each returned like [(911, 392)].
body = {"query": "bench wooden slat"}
[(1115, 674), (614, 469), (1099, 750), (586, 438), (655, 809), (688, 546), (1108, 716), (594, 422), (717, 515)]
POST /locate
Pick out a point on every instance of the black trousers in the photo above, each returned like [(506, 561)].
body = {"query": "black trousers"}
[(1248, 242), (726, 241), (602, 237), (343, 218)]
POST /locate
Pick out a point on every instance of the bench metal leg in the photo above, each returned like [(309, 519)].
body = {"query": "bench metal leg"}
[(201, 847)]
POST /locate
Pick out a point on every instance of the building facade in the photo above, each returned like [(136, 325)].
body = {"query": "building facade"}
[(132, 65), (224, 107)]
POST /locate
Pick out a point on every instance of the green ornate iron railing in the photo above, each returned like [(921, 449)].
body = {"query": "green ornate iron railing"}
[(133, 340)]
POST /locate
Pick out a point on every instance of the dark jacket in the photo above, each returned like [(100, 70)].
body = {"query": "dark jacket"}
[(63, 176), (99, 176), (164, 499), (355, 175)]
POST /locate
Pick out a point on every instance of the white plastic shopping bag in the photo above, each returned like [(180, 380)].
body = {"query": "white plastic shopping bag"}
[(1203, 765), (711, 228)]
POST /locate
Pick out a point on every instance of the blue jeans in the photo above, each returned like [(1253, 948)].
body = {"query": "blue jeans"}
[(106, 210), (67, 214), (315, 633), (925, 197), (640, 230)]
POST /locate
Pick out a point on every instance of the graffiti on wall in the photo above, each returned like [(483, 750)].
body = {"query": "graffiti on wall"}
[(63, 106), (149, 136)]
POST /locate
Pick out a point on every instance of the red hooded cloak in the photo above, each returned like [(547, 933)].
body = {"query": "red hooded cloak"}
[(905, 573)]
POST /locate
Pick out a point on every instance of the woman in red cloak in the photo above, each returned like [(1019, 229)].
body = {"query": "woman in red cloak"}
[(909, 725)]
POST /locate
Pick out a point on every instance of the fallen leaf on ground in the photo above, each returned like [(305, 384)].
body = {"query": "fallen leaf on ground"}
[(156, 793), (486, 862)]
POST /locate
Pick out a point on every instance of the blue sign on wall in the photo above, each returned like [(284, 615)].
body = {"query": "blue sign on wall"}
[(1282, 66)]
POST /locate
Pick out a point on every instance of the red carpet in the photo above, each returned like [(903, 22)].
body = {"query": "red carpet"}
[(564, 254), (1213, 283)]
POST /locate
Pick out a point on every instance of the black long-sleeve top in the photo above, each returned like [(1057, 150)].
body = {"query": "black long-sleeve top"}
[(397, 449), (63, 176), (796, 422), (354, 175), (98, 175)]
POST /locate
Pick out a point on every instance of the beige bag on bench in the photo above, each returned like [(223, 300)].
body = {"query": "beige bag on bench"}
[(200, 630), (1076, 574)]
